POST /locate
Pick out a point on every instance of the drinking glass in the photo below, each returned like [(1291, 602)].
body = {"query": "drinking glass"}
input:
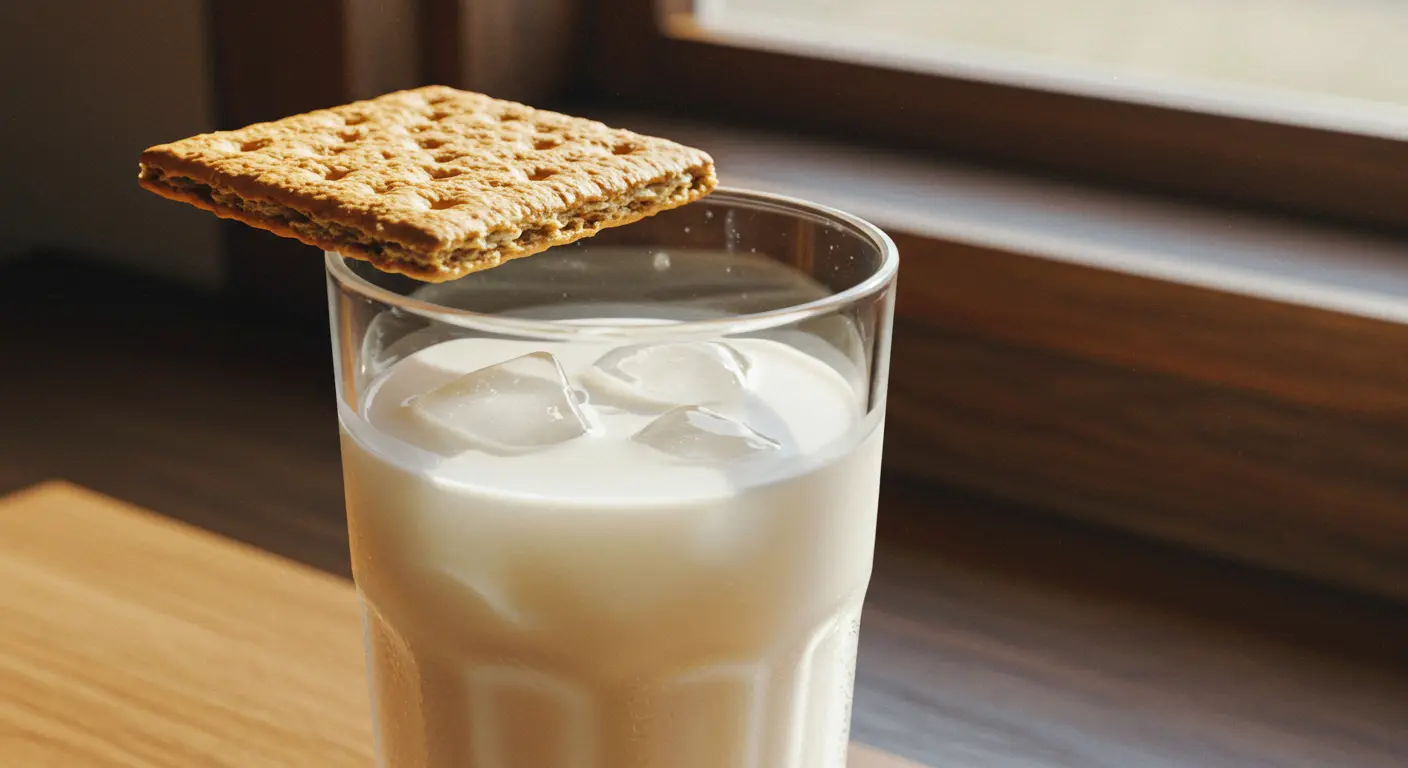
[(614, 504)]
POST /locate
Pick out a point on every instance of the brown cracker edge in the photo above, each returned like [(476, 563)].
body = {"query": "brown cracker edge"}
[(277, 227), (419, 271)]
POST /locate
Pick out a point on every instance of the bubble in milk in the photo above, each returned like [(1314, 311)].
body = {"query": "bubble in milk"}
[(514, 407)]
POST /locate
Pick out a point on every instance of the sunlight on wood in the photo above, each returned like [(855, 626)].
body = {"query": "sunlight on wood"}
[(128, 639)]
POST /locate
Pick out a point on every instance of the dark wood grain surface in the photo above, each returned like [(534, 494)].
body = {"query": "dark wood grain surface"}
[(993, 638), (1268, 432)]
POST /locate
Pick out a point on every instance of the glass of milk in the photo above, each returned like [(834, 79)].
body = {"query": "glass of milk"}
[(614, 505)]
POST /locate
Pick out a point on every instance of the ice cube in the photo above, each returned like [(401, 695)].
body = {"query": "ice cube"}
[(699, 435), (659, 376), (516, 406)]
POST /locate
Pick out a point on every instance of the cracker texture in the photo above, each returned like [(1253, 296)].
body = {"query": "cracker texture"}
[(434, 182)]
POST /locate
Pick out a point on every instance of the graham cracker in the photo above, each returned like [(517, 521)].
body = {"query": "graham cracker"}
[(433, 182)]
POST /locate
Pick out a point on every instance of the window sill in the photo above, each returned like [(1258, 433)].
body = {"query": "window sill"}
[(1232, 383), (1302, 264)]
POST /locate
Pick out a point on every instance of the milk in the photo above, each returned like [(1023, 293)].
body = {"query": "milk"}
[(617, 598)]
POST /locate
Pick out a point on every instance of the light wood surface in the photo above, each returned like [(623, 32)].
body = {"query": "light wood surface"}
[(127, 639)]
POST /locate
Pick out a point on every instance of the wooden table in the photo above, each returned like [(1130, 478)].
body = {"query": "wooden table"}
[(127, 639)]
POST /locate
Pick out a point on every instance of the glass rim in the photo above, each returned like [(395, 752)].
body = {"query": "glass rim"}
[(338, 269)]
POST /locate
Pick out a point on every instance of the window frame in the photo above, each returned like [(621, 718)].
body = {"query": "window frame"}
[(1327, 172)]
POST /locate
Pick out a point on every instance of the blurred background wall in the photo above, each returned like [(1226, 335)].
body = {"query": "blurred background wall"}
[(90, 83)]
